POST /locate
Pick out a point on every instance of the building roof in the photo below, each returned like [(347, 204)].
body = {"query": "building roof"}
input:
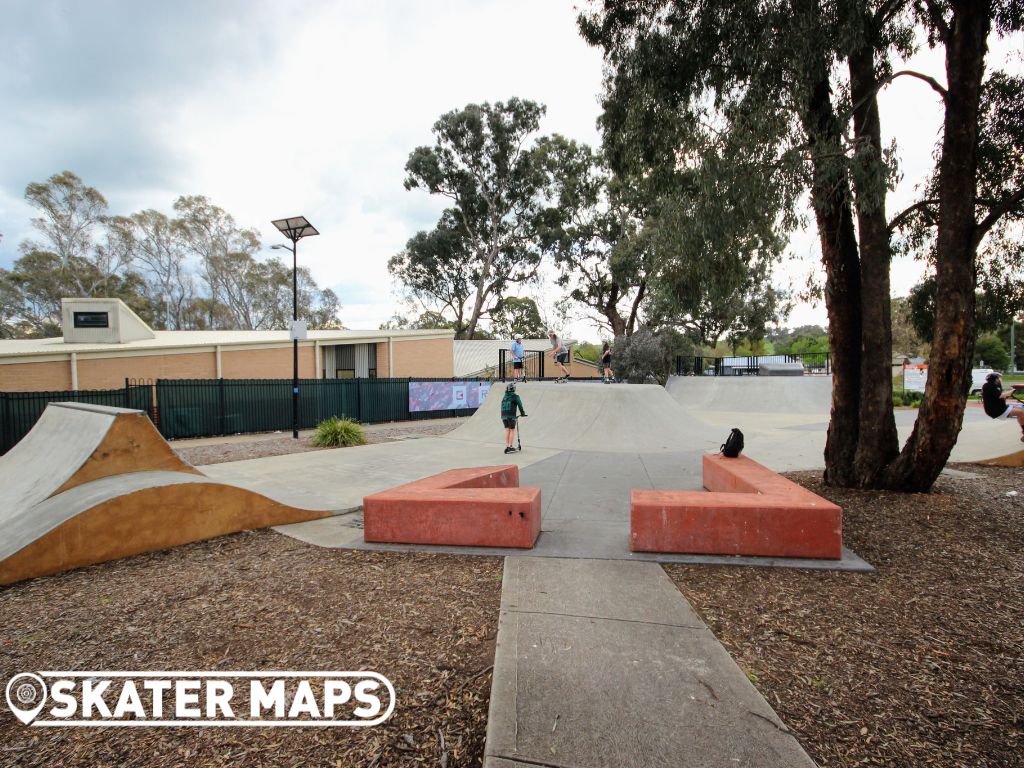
[(166, 340), (479, 357)]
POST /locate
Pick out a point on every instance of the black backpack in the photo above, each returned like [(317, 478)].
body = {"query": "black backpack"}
[(733, 445)]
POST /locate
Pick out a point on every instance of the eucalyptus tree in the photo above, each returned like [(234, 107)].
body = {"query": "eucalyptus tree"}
[(593, 234), (483, 162), (792, 86)]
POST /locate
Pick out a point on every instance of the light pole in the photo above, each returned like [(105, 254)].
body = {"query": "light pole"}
[(295, 228)]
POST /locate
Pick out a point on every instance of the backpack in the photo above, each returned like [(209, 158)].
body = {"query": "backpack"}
[(733, 445)]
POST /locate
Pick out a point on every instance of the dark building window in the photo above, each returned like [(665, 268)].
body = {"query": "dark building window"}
[(92, 320)]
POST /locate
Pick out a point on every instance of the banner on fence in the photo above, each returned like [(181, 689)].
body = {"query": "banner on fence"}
[(446, 395)]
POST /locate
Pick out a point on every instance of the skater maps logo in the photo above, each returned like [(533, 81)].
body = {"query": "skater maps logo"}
[(166, 699)]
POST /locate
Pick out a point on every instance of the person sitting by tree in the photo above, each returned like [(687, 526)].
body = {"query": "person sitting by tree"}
[(994, 400)]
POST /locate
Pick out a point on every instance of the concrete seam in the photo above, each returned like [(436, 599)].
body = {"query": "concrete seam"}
[(607, 618), (527, 761), (643, 464)]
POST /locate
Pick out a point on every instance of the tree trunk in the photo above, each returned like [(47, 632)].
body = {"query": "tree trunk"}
[(877, 440), (941, 413), (830, 196)]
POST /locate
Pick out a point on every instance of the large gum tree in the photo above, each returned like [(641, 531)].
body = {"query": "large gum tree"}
[(798, 82)]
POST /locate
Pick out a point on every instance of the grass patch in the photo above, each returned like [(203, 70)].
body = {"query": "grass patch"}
[(338, 433)]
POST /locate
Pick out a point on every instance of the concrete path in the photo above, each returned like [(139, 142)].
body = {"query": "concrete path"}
[(605, 664)]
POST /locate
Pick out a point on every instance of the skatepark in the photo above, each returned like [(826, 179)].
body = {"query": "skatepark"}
[(580, 611)]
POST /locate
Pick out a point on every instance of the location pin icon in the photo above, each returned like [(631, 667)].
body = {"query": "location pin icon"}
[(26, 695)]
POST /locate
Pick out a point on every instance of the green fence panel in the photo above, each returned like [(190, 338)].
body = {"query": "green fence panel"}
[(205, 407), (19, 411)]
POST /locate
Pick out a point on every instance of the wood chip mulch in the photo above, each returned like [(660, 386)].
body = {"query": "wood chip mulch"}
[(258, 448), (262, 601), (919, 664)]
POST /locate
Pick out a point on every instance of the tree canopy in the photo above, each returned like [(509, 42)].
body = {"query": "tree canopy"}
[(760, 103), (194, 270)]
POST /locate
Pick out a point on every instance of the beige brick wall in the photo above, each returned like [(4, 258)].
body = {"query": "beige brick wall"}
[(383, 364), (273, 363), (36, 377), (429, 358), (110, 372)]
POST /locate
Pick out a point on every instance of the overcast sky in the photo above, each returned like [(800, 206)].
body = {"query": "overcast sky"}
[(275, 109)]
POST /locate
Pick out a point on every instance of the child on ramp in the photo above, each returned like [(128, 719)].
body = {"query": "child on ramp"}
[(510, 404)]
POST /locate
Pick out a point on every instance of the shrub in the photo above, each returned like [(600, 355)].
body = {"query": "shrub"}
[(338, 433), (907, 397)]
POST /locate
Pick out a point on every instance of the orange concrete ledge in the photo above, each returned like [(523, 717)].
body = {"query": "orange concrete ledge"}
[(478, 507), (750, 510)]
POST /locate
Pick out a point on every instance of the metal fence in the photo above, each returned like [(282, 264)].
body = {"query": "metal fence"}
[(533, 364), (183, 408), (749, 365), (19, 411), (207, 407)]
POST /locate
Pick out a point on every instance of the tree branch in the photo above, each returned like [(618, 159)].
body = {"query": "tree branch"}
[(905, 215), (996, 212)]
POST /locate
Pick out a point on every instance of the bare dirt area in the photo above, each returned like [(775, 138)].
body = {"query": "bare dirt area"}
[(263, 601), (235, 449), (919, 664)]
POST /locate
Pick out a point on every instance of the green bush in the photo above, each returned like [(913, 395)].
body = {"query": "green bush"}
[(907, 397), (338, 433)]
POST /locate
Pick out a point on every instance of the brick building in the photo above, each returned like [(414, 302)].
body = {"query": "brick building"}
[(104, 343)]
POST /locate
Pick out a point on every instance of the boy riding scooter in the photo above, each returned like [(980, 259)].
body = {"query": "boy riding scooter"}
[(995, 401), (510, 404)]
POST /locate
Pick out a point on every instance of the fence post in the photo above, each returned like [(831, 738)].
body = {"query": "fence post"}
[(220, 403), (4, 436)]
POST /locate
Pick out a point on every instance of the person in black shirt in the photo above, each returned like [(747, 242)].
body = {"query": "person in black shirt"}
[(994, 400)]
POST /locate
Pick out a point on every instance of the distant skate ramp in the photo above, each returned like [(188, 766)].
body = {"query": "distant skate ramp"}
[(584, 416), (811, 395), (92, 483)]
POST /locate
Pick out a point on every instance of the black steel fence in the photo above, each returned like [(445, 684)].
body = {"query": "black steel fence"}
[(183, 408), (750, 365), (207, 407), (533, 365), (19, 411)]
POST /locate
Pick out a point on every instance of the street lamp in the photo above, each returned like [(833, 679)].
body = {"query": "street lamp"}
[(294, 228)]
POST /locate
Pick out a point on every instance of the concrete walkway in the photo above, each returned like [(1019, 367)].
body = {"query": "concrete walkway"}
[(603, 663)]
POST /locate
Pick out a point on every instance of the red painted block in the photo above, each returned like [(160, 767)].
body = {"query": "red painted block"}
[(477, 507), (750, 510)]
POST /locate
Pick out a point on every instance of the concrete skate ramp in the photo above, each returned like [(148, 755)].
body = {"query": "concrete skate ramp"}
[(93, 483), (614, 418), (810, 395)]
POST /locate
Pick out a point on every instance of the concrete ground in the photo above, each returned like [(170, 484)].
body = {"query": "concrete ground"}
[(605, 664)]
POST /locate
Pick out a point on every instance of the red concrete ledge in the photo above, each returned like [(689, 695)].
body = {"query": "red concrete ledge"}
[(478, 507), (750, 510)]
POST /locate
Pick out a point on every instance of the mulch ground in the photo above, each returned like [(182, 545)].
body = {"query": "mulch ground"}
[(919, 664), (262, 601), (258, 448)]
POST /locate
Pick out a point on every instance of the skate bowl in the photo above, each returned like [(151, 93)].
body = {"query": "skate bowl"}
[(476, 507), (94, 483), (748, 510)]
